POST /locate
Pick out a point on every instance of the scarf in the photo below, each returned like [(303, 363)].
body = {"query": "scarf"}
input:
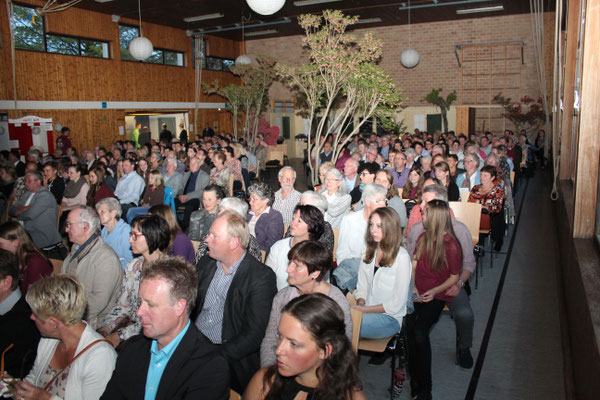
[(72, 189)]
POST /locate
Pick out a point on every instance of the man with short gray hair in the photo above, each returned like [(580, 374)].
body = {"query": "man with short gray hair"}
[(92, 261), (287, 197)]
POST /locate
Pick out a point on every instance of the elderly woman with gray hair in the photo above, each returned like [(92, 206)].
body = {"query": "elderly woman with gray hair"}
[(338, 200), (115, 231), (241, 208), (265, 223), (73, 361)]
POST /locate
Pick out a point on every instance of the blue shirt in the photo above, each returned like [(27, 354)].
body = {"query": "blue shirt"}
[(158, 362)]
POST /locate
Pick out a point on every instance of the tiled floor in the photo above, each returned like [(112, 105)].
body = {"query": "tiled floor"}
[(523, 358)]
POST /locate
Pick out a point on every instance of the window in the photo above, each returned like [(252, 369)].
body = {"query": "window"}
[(283, 107), (126, 33), (29, 35), (209, 63), (28, 29), (159, 56)]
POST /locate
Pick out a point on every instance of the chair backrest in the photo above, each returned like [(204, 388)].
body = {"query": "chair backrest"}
[(336, 236), (512, 177), (234, 395), (400, 190), (469, 214), (285, 228), (231, 180), (356, 321), (168, 199), (276, 155), (257, 170), (263, 255), (57, 265), (464, 194)]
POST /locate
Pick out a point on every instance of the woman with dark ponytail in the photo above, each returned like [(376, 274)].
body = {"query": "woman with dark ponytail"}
[(314, 355)]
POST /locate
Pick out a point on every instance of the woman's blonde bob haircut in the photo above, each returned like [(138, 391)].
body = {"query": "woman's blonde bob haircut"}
[(60, 296)]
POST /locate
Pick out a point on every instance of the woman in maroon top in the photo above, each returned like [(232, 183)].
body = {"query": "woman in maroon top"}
[(33, 265), (436, 265), (98, 189)]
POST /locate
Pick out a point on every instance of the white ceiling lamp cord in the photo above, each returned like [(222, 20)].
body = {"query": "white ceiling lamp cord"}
[(140, 16), (409, 25)]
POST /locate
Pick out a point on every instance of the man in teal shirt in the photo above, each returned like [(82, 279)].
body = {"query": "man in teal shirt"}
[(171, 360)]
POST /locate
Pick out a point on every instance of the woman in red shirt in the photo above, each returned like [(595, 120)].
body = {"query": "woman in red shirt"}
[(33, 265), (436, 265)]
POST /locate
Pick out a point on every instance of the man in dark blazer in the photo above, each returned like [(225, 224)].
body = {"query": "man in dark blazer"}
[(194, 183), (234, 297), (171, 360)]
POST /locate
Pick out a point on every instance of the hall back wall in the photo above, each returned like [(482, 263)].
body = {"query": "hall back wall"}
[(54, 77), (438, 67)]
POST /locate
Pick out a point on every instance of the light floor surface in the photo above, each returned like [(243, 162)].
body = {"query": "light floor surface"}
[(524, 357)]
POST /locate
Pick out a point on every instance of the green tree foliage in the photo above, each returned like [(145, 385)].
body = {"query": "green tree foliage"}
[(434, 97), (342, 81)]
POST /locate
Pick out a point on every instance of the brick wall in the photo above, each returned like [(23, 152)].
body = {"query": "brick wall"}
[(435, 43)]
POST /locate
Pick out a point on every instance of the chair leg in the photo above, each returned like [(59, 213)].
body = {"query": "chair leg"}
[(393, 370)]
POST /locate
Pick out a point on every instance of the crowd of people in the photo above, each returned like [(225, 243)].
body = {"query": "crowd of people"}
[(259, 305)]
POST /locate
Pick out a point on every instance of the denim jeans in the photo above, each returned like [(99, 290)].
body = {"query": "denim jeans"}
[(378, 326), (346, 274)]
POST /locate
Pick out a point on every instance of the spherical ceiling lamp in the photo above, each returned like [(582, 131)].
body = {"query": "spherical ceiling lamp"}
[(243, 60), (409, 58), (140, 48), (265, 7)]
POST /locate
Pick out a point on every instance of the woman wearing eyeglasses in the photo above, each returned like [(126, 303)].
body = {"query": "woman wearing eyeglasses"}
[(149, 237)]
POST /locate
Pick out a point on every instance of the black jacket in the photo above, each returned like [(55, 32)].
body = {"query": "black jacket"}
[(16, 327), (246, 314), (194, 371)]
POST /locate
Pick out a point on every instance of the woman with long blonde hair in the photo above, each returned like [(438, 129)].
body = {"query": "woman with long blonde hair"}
[(436, 265)]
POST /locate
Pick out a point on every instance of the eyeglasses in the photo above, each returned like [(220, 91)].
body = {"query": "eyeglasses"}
[(70, 224), (364, 173), (330, 180), (382, 201), (135, 235)]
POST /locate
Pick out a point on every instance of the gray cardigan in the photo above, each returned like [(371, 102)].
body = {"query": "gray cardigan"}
[(40, 219), (284, 296)]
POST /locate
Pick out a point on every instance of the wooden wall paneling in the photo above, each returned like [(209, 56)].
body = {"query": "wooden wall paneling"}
[(462, 120), (586, 178), (569, 88)]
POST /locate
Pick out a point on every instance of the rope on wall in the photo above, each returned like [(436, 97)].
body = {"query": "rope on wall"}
[(198, 77), (557, 113), (9, 9), (537, 19), (51, 7)]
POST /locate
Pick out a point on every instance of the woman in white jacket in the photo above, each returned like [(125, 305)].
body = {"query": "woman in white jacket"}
[(73, 361), (338, 200), (383, 277)]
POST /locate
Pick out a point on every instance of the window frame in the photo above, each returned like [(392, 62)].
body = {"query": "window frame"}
[(45, 35), (161, 49)]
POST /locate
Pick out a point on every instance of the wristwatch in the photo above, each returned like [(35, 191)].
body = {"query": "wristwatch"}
[(462, 283)]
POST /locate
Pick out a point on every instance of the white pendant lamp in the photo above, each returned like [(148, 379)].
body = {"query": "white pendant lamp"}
[(243, 59), (265, 7), (140, 47), (409, 57)]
